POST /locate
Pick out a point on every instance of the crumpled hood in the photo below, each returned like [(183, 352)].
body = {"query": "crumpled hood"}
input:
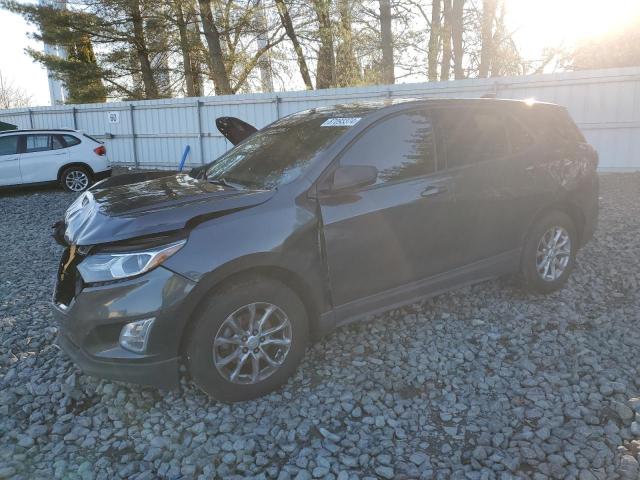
[(150, 207)]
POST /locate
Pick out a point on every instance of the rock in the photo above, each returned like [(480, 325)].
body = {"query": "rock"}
[(385, 472), (628, 467), (624, 412), (418, 458)]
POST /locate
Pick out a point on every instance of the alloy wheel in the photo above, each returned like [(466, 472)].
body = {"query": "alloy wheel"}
[(76, 180), (252, 343), (553, 253)]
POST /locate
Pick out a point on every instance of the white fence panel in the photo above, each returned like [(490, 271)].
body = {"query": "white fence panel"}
[(153, 134)]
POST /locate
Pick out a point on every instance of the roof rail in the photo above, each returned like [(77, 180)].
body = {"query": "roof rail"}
[(23, 130)]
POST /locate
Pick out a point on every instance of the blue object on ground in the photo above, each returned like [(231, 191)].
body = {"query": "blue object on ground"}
[(185, 154)]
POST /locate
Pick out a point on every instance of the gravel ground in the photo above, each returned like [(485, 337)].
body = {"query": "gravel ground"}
[(487, 382)]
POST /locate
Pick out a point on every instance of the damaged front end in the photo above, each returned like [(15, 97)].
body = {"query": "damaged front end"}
[(118, 307)]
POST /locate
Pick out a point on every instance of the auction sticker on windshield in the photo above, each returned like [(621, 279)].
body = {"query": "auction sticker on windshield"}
[(341, 122)]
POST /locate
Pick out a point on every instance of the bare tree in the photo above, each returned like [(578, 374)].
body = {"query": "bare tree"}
[(287, 23), (457, 30), (434, 41), (446, 41), (347, 68), (487, 50), (12, 96), (211, 33), (326, 69), (386, 33)]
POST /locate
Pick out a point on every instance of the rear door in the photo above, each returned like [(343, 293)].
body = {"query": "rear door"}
[(394, 232), (9, 160), (42, 156), (489, 156)]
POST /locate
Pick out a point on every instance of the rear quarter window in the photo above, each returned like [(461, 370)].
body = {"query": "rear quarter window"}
[(554, 124), (70, 140)]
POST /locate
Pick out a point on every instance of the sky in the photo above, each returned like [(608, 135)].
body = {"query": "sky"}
[(535, 23)]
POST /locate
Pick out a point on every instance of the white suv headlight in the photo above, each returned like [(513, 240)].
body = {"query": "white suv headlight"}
[(106, 266)]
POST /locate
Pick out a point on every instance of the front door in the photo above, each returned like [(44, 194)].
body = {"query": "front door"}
[(9, 160), (394, 232)]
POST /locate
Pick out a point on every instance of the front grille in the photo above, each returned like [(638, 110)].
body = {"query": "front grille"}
[(69, 281)]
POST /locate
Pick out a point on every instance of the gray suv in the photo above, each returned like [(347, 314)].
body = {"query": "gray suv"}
[(317, 220)]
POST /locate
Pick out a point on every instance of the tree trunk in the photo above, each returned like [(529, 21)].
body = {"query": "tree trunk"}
[(326, 70), (185, 48), (388, 75), (285, 18), (142, 52), (434, 41), (446, 42), (457, 28), (487, 50), (219, 74), (347, 68), (264, 62)]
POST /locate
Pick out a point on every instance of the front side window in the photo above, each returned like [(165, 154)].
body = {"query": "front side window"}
[(8, 145), (38, 143), (277, 154), (400, 147), (466, 136)]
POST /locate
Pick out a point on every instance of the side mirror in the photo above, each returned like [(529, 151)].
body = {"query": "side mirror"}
[(347, 177)]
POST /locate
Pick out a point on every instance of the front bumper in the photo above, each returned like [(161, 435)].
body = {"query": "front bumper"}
[(160, 374), (90, 325)]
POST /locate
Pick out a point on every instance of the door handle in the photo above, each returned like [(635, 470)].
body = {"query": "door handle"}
[(432, 190)]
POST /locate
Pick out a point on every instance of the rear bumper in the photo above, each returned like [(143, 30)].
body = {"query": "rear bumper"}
[(160, 374)]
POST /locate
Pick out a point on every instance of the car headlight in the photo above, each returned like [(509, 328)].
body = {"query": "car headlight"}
[(107, 266)]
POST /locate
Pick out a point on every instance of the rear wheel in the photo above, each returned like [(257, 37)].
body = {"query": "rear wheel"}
[(248, 340), (75, 179), (549, 253)]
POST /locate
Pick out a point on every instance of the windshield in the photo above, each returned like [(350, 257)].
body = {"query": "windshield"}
[(277, 154)]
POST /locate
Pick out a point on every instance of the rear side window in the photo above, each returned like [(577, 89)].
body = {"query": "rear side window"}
[(56, 142), (70, 140), (400, 147), (38, 143), (519, 137), (467, 136), (8, 145)]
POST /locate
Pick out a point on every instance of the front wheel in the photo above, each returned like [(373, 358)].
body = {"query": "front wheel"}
[(248, 339), (75, 179), (549, 252)]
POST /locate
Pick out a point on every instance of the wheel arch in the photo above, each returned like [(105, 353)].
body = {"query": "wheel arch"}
[(567, 207), (288, 277), (73, 164)]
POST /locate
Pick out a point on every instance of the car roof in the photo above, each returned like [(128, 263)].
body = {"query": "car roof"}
[(39, 130), (366, 107)]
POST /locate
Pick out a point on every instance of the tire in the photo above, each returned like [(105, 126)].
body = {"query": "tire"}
[(539, 275), (205, 358), (75, 179)]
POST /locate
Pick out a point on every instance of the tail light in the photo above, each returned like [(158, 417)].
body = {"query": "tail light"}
[(101, 150)]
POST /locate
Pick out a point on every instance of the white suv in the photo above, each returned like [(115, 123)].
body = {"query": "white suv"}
[(69, 157)]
